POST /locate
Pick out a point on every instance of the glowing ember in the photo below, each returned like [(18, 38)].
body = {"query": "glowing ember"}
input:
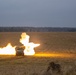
[(8, 50), (29, 46)]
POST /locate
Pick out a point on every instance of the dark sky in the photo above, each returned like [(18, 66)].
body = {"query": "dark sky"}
[(38, 13)]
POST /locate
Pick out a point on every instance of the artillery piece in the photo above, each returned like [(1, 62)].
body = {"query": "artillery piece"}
[(20, 50)]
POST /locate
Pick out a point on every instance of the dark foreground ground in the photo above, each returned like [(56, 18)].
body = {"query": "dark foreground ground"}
[(13, 65)]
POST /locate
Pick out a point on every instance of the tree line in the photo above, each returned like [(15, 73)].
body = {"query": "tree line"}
[(36, 29)]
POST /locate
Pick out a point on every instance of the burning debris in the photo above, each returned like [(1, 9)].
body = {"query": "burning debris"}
[(26, 49)]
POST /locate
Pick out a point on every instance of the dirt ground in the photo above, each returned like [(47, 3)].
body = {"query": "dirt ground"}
[(50, 42)]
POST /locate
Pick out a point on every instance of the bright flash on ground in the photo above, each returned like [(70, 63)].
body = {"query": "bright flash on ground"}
[(8, 50), (29, 46), (58, 55)]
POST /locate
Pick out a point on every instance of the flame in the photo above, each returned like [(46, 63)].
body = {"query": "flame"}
[(8, 50), (29, 46)]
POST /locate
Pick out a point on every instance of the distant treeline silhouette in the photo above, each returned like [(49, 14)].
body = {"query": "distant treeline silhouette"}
[(36, 29)]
